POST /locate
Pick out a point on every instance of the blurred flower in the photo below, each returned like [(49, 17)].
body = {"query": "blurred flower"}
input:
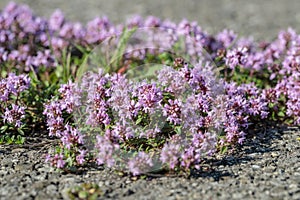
[(140, 163)]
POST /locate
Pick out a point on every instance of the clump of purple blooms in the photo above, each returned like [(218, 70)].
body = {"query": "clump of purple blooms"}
[(71, 138), (122, 110), (12, 106), (188, 112)]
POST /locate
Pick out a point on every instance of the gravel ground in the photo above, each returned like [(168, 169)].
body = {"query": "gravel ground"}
[(266, 167)]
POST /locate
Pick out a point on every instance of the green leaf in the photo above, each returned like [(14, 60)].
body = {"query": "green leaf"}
[(94, 196), (118, 55), (34, 79), (139, 120), (178, 129), (20, 139), (82, 68), (20, 131), (58, 149), (281, 114), (224, 149), (9, 139), (3, 128), (2, 139), (67, 67), (54, 77), (141, 147), (83, 194)]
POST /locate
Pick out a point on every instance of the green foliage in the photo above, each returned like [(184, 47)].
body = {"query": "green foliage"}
[(12, 139), (85, 191)]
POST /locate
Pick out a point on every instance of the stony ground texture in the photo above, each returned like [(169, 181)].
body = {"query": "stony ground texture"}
[(266, 167)]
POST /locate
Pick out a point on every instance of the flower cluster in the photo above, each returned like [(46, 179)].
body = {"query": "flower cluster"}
[(191, 108), (71, 138), (140, 163), (12, 108), (243, 104), (56, 161), (131, 107), (70, 97), (272, 66), (197, 112), (30, 41), (105, 151), (13, 85), (14, 115)]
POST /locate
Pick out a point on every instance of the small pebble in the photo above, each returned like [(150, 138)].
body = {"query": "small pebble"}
[(255, 167)]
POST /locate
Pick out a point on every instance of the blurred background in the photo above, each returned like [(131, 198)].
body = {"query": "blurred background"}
[(262, 19)]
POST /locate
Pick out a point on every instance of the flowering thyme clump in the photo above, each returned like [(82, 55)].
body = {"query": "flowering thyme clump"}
[(157, 121), (13, 104), (191, 109), (71, 138)]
